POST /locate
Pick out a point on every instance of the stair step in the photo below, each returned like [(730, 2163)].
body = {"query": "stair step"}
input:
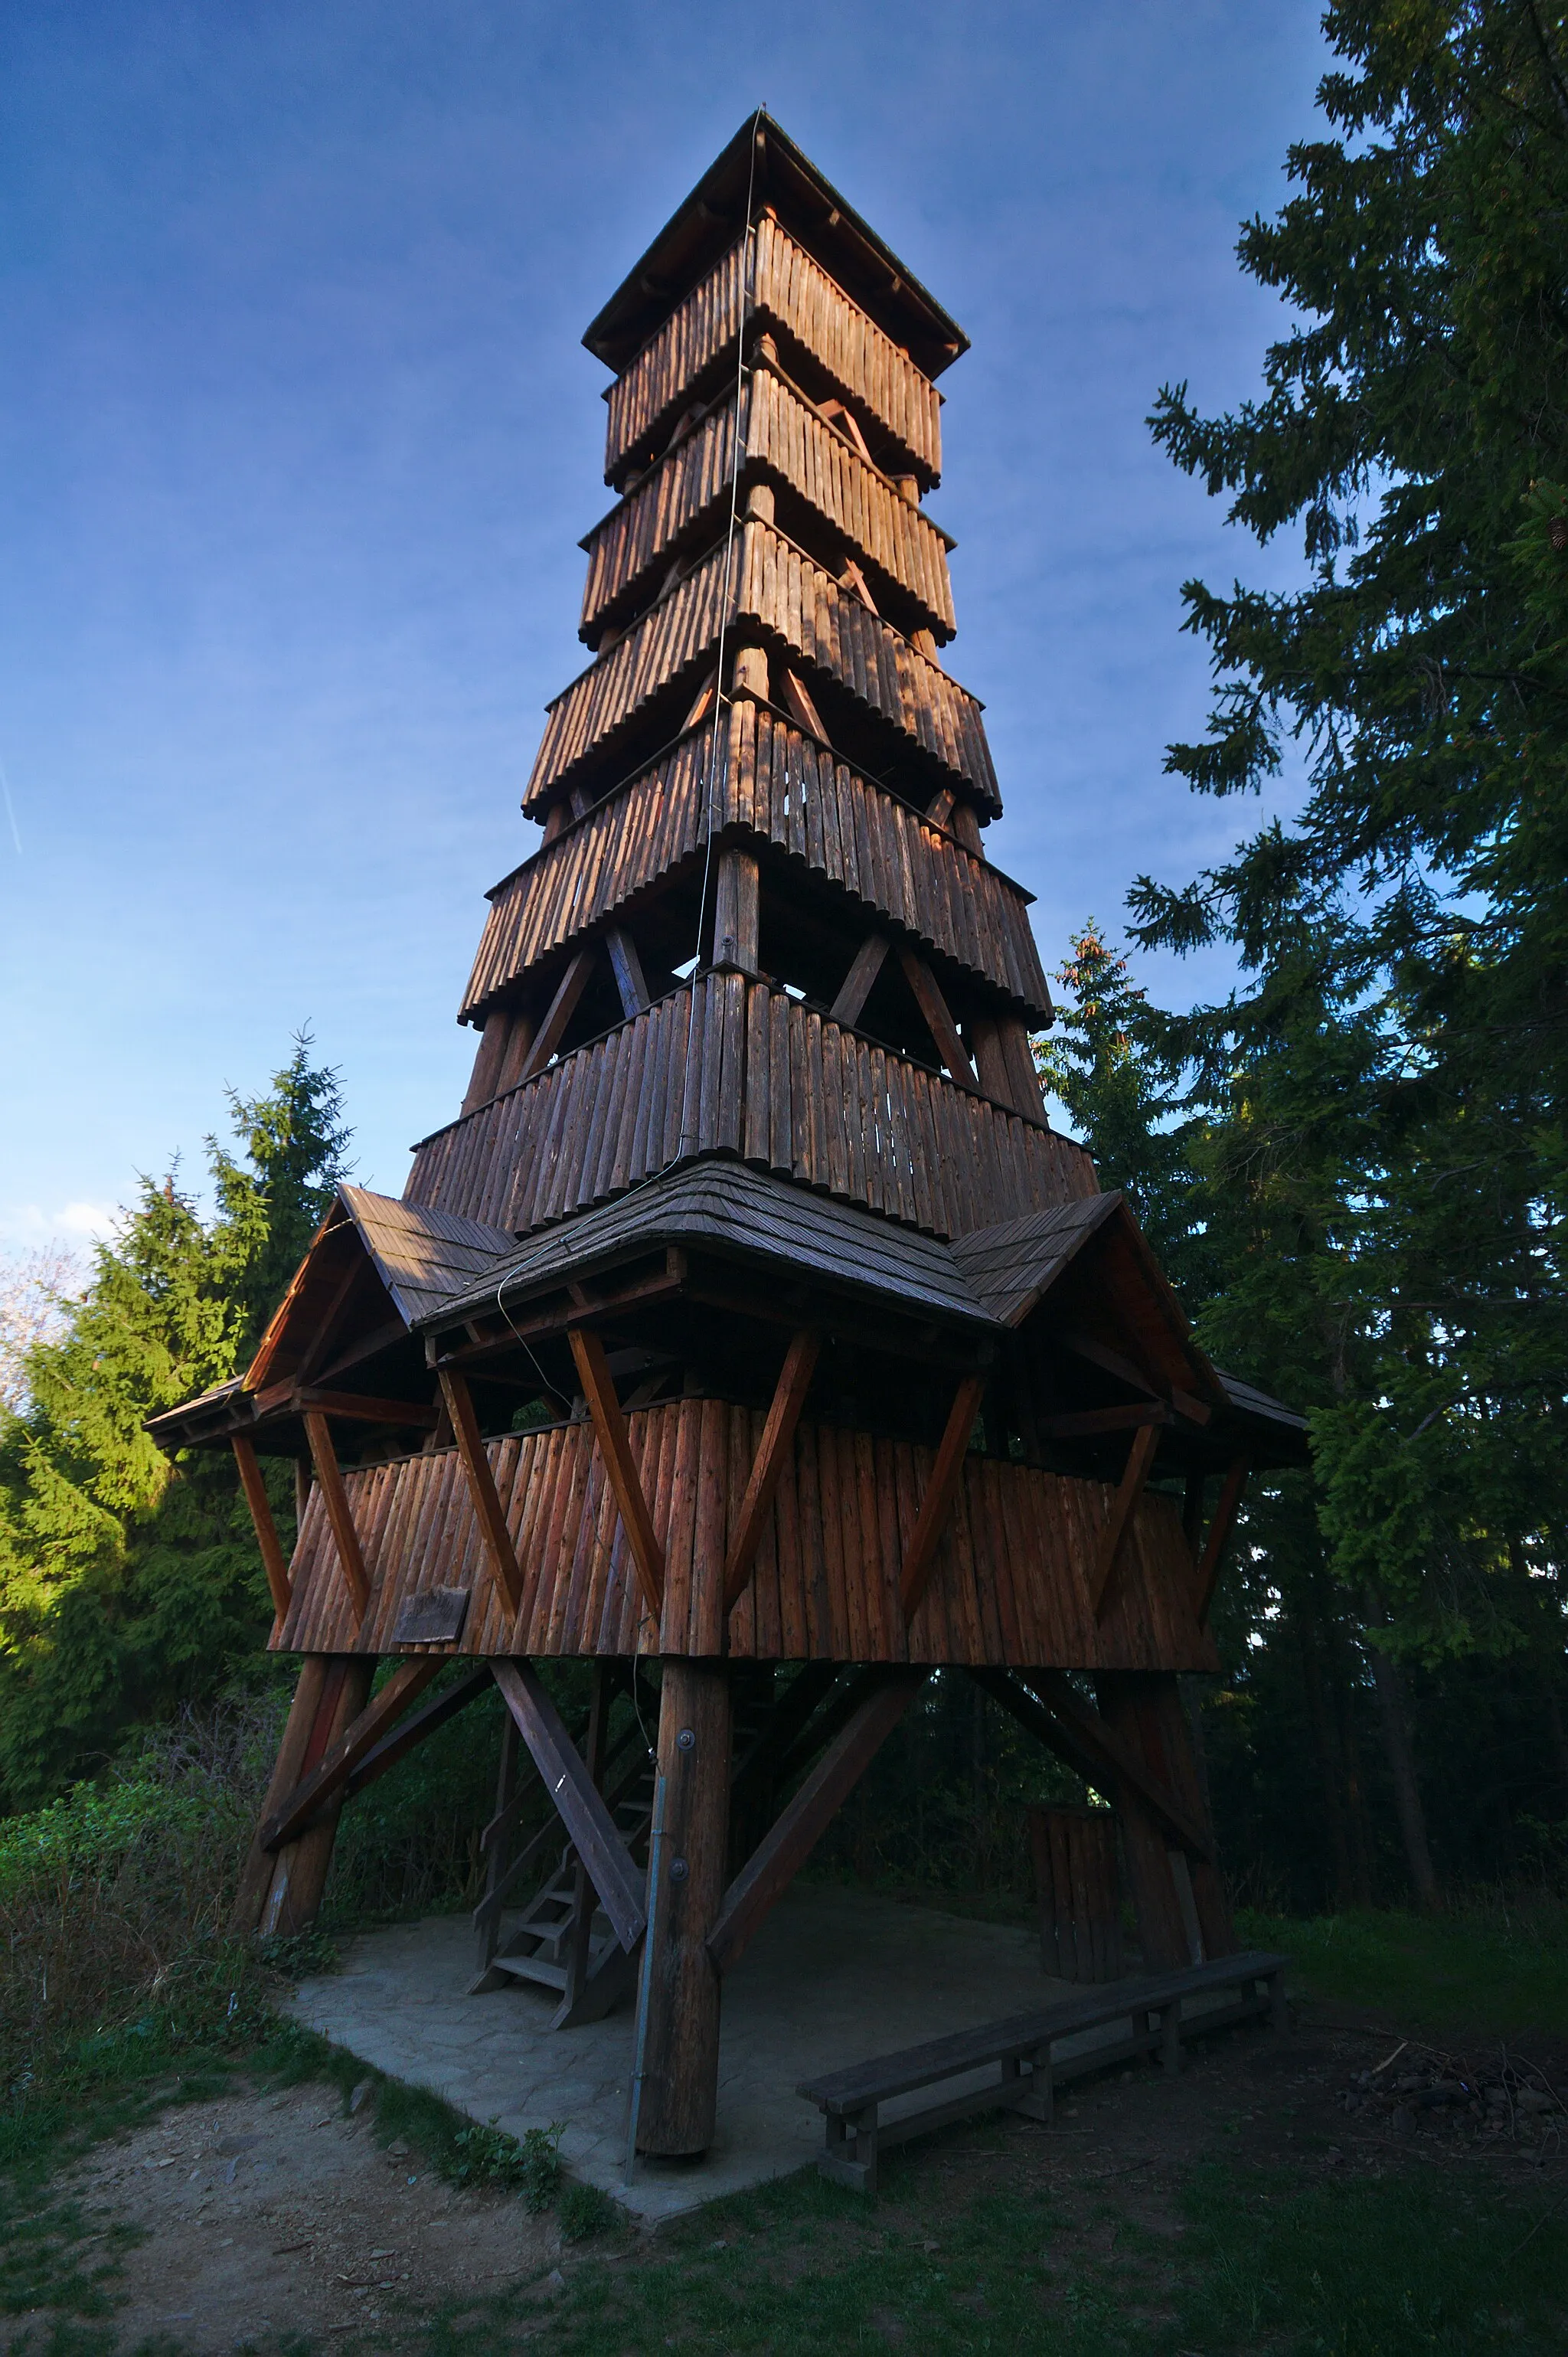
[(531, 1968)]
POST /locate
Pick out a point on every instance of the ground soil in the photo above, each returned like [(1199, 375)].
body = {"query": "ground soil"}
[(267, 2214)]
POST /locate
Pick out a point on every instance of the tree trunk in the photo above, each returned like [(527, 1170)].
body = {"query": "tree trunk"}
[(1401, 1767)]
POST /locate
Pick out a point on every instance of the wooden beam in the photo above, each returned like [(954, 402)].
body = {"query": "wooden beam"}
[(939, 1016), (338, 1761), (626, 967), (609, 1423), (581, 1808), (940, 1491), (414, 1729), (1094, 1420), (336, 1499), (359, 1407), (487, 1061), (255, 1489), (1113, 1537), (505, 1569), (793, 691), (773, 1451), (855, 988), (559, 1012), (1101, 1744), (795, 1832), (1219, 1531)]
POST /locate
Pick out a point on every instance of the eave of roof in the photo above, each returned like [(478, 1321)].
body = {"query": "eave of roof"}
[(708, 219)]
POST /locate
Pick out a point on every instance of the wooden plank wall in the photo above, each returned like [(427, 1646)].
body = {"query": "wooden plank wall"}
[(730, 1066), (795, 602), (780, 436), (781, 786), (792, 293), (1009, 1585)]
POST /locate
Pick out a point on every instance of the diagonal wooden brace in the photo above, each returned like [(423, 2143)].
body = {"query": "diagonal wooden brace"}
[(267, 1539), (1113, 1538), (339, 1763), (941, 1491), (582, 1809), (1219, 1531), (795, 1832), (1044, 1702), (609, 1423), (505, 1568), (772, 1454), (338, 1512)]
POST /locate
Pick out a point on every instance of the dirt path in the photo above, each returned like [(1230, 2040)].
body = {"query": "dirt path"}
[(269, 2215)]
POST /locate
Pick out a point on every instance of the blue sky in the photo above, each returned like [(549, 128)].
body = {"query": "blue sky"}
[(297, 438)]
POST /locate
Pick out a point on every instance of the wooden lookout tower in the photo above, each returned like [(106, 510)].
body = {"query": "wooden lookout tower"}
[(749, 1328)]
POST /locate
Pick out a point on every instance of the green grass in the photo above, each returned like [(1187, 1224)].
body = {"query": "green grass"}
[(1477, 1968), (1406, 2267)]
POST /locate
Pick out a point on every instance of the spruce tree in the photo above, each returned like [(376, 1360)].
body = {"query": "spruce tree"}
[(125, 1586)]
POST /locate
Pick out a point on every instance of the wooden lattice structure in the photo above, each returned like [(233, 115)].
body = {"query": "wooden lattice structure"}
[(750, 1317)]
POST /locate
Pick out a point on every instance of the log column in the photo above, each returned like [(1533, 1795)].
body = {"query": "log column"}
[(299, 1876), (680, 2051)]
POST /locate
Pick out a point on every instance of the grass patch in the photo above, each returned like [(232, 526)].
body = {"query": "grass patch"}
[(1483, 1966), (1414, 2265)]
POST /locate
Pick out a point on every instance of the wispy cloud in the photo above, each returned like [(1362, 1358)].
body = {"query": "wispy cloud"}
[(25, 1226)]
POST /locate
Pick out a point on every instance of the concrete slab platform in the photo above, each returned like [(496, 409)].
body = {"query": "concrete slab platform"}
[(833, 1977)]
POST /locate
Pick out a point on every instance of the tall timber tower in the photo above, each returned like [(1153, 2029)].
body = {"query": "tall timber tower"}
[(749, 1332)]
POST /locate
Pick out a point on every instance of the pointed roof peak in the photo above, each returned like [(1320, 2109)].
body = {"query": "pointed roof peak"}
[(762, 164)]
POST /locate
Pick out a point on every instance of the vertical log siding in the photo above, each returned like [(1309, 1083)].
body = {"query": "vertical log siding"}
[(782, 596), (783, 438), (792, 293), (1007, 1586), (729, 1066), (752, 770)]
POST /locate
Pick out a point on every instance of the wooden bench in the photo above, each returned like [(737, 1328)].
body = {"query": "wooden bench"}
[(1022, 2051)]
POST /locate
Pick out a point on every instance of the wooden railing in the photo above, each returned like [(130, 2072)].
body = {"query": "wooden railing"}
[(785, 788), (1006, 1589), (788, 599), (725, 1065), (792, 293), (783, 437)]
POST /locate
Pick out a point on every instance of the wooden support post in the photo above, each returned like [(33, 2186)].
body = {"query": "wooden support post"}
[(519, 1040), (609, 1423), (1219, 1531), (486, 1075), (1113, 1538), (797, 701), (337, 1763), (273, 1557), (626, 967), (583, 1897), (855, 988), (1078, 1883), (336, 1499), (559, 1012), (770, 1870), (940, 1491), (772, 1454), (579, 1806), (681, 2032), (1165, 1933), (498, 1843), (1168, 1746), (505, 1569), (1058, 1716), (735, 909), (939, 1016), (256, 1874), (299, 1876)]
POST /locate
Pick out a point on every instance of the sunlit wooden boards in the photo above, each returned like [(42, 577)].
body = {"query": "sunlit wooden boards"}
[(814, 321), (727, 1065), (761, 774), (1008, 1586), (776, 594), (782, 440)]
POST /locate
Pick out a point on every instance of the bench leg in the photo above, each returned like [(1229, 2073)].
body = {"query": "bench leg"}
[(1038, 2102), (1170, 2036), (850, 2157), (1278, 2007)]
